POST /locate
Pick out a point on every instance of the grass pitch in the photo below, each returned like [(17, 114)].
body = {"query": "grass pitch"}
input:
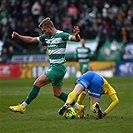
[(42, 116)]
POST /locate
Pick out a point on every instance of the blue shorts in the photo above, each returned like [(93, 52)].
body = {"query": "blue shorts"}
[(93, 82)]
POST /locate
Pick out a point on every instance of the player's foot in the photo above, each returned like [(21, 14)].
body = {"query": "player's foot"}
[(99, 111), (17, 108), (63, 108), (81, 109)]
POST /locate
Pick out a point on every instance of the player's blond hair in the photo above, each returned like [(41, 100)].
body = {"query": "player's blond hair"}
[(46, 23)]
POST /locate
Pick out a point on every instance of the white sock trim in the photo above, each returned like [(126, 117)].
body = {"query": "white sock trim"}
[(24, 104)]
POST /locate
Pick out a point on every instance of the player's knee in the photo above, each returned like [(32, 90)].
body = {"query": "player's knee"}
[(56, 94)]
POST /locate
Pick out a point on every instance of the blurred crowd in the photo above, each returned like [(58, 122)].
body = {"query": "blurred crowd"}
[(102, 19)]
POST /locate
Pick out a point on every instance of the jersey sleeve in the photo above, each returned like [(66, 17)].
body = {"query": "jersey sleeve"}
[(66, 36), (41, 38)]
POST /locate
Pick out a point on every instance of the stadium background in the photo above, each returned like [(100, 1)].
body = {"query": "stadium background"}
[(107, 27)]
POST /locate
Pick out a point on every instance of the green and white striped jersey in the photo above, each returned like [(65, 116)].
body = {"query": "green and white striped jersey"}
[(82, 54), (56, 46)]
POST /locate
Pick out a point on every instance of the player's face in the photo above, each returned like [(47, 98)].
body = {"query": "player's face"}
[(46, 31)]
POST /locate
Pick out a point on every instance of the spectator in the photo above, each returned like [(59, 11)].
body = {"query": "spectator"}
[(107, 17)]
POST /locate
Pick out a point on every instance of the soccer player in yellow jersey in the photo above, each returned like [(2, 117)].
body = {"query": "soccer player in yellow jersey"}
[(96, 85)]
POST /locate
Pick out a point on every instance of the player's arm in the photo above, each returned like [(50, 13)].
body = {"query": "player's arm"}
[(76, 36), (27, 39), (113, 104)]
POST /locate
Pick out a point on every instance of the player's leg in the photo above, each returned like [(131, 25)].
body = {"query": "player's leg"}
[(57, 91), (84, 69), (95, 106), (93, 102), (71, 97), (56, 75), (94, 93), (39, 82), (82, 96)]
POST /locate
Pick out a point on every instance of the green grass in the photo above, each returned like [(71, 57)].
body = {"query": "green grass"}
[(42, 116)]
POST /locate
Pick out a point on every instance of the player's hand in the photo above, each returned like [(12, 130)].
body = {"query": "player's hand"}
[(15, 34), (76, 30)]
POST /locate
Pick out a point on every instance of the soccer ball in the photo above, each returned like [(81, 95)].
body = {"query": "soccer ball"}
[(70, 113)]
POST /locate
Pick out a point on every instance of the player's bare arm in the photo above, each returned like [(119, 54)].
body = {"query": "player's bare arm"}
[(76, 36), (27, 39)]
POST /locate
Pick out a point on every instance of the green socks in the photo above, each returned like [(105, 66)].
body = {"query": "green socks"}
[(63, 96), (35, 90), (32, 95)]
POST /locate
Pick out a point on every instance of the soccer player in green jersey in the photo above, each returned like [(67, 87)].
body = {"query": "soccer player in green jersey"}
[(56, 41), (82, 54)]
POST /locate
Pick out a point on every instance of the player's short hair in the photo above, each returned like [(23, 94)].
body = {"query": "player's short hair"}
[(46, 22)]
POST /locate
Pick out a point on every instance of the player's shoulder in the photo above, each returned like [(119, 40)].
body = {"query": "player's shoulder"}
[(62, 34), (87, 48), (42, 37), (59, 31)]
